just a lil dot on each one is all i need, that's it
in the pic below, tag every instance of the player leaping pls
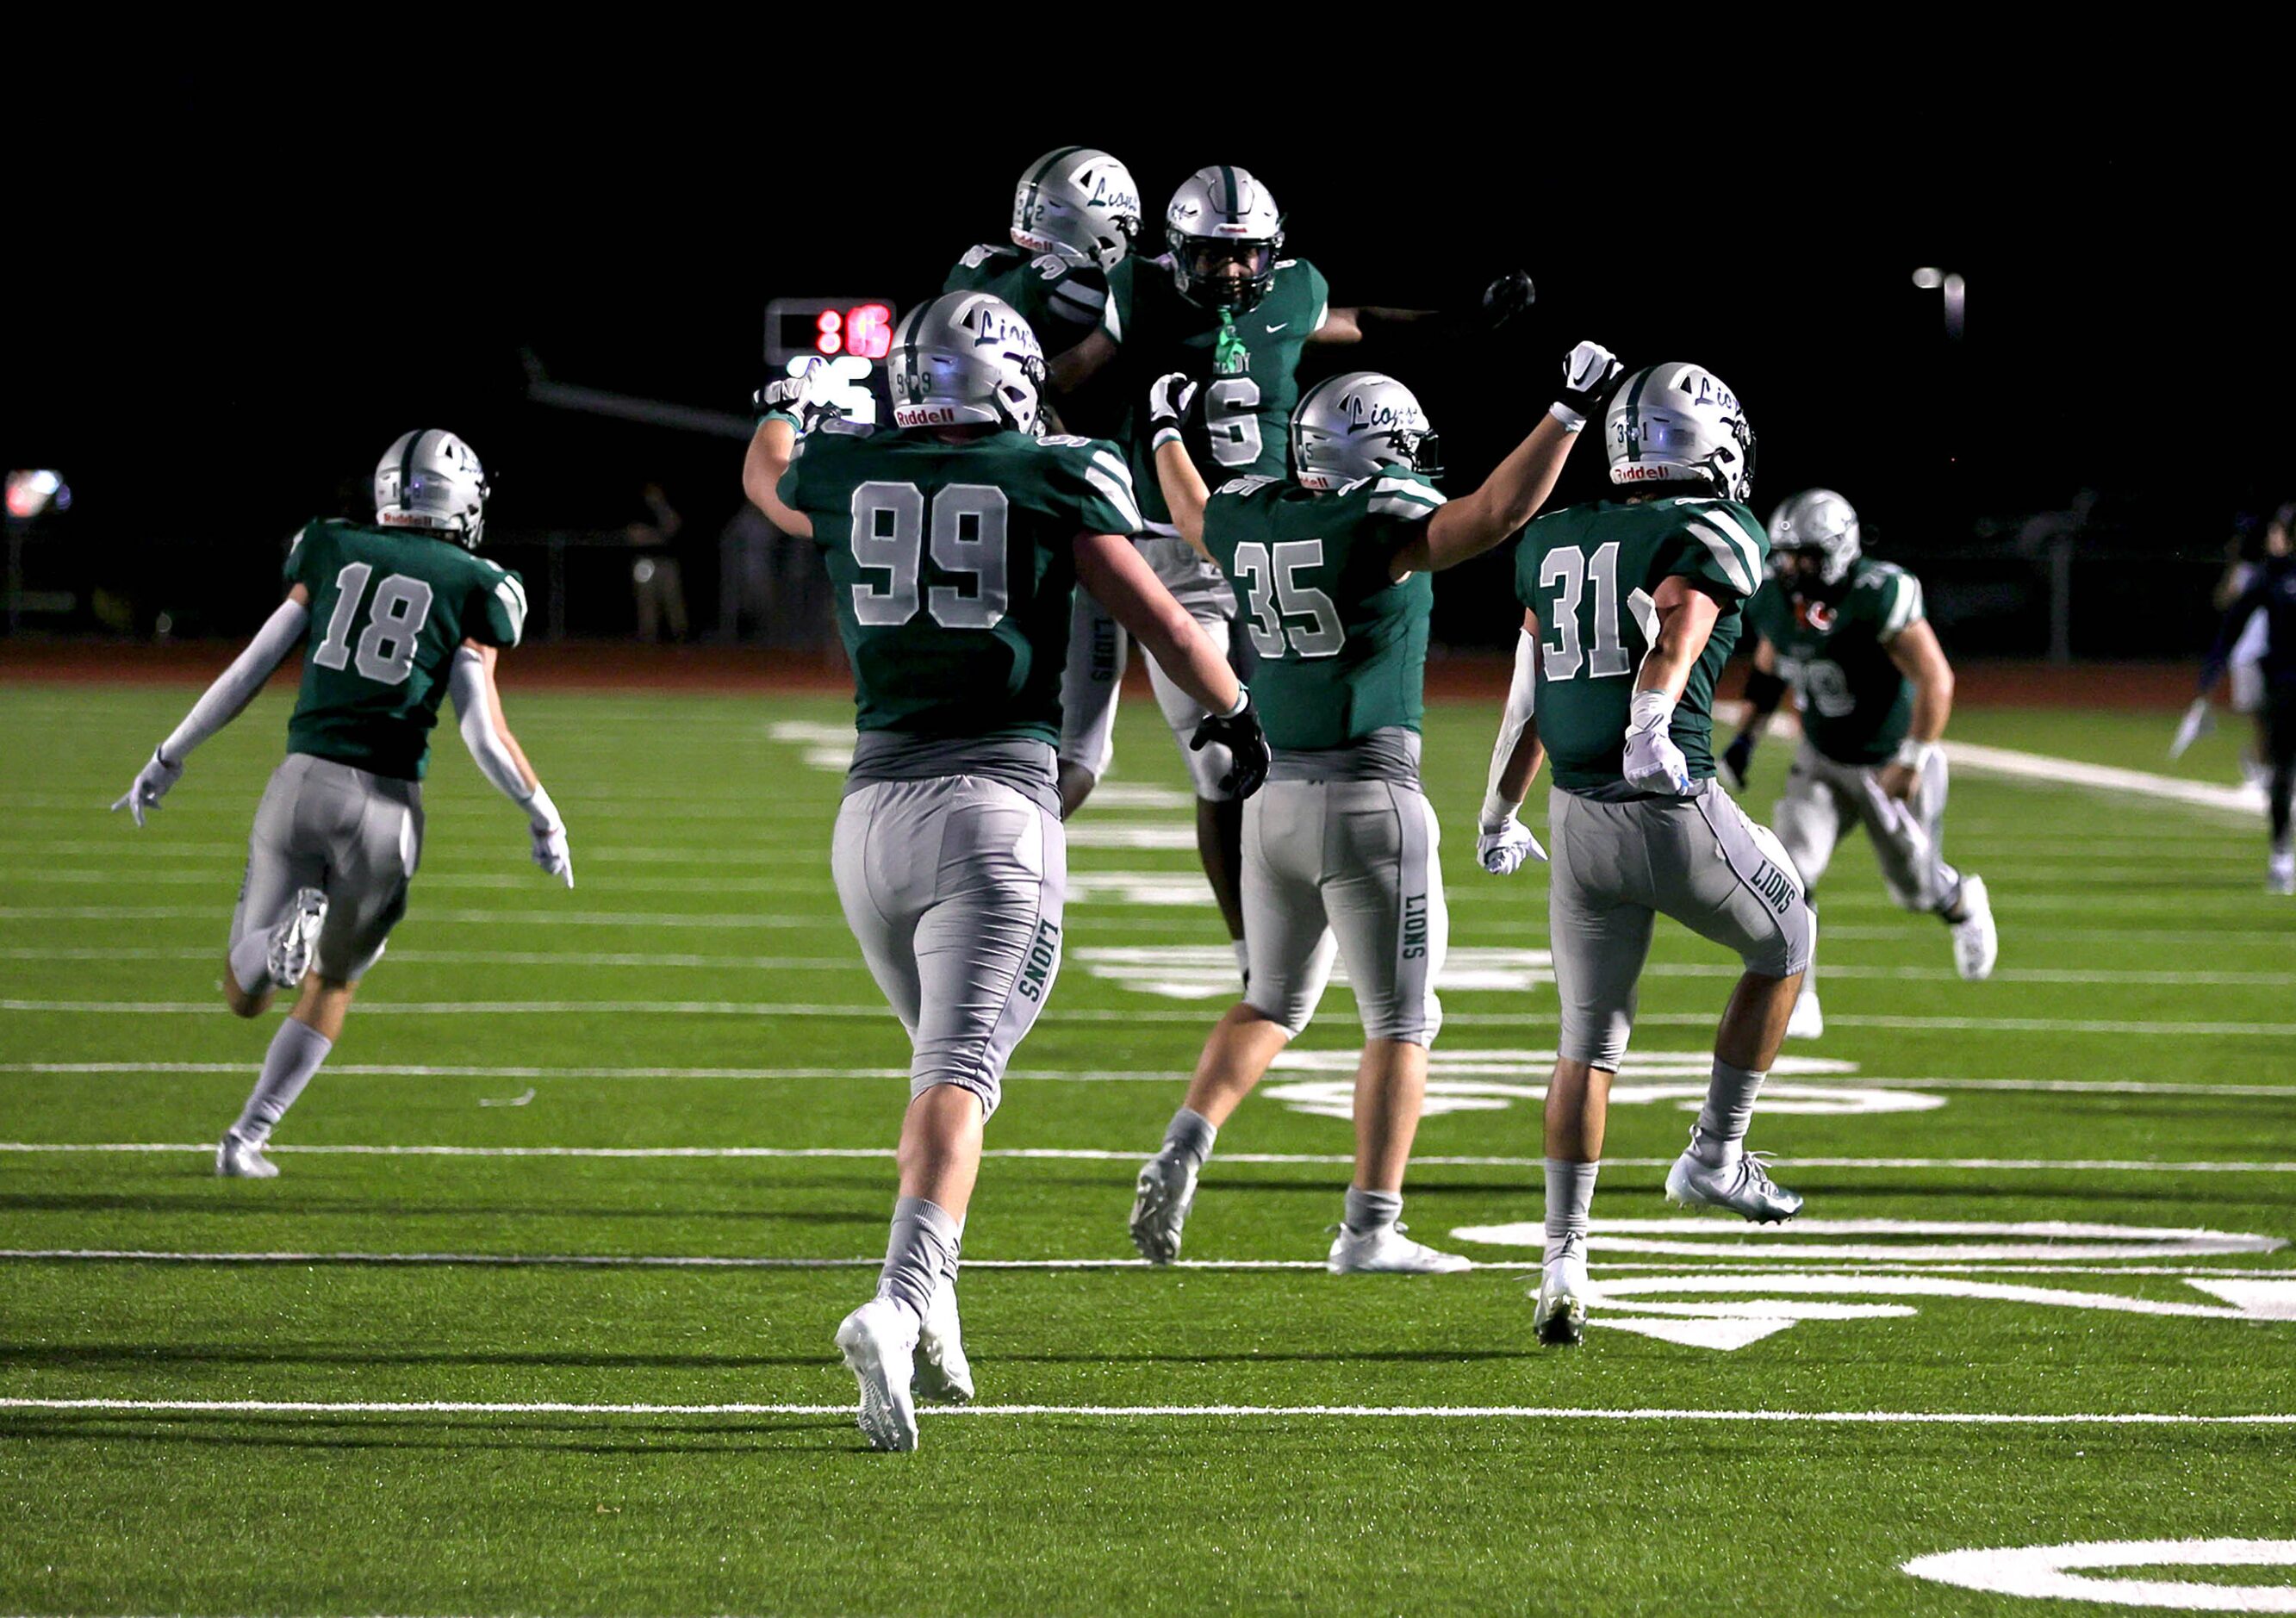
(1331, 572)
(392, 616)
(1633, 606)
(1224, 308)
(954, 545)
(1849, 634)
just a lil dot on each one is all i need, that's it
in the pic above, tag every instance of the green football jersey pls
(1063, 302)
(1856, 706)
(1589, 572)
(1248, 364)
(1342, 647)
(952, 569)
(389, 609)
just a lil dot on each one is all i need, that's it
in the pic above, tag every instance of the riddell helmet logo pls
(924, 415)
(1641, 474)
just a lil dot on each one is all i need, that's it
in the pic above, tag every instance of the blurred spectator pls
(654, 577)
(745, 593)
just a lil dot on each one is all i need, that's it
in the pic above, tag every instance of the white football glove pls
(1589, 372)
(1168, 398)
(810, 398)
(1503, 848)
(2198, 722)
(548, 829)
(151, 785)
(1653, 762)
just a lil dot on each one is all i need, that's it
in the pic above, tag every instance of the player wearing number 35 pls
(955, 546)
(1330, 572)
(392, 615)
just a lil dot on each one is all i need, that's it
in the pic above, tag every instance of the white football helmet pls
(966, 358)
(429, 478)
(1079, 204)
(1678, 421)
(1820, 521)
(1221, 216)
(1349, 426)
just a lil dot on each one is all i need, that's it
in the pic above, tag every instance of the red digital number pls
(869, 331)
(827, 326)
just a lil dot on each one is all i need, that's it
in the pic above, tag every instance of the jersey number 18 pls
(385, 652)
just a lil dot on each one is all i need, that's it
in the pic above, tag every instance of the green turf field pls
(536, 1318)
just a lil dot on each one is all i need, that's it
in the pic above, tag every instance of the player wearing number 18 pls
(1331, 575)
(954, 545)
(1632, 607)
(392, 615)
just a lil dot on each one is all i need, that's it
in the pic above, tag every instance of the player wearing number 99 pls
(1227, 309)
(954, 545)
(392, 616)
(1633, 606)
(1331, 574)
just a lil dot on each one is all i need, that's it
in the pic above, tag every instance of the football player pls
(1227, 309)
(1849, 635)
(392, 616)
(1330, 569)
(2270, 594)
(954, 544)
(1632, 607)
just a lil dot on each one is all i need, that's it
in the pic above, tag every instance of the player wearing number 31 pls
(1330, 574)
(954, 545)
(1632, 608)
(392, 615)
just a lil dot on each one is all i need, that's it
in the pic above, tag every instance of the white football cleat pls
(944, 1375)
(1561, 1319)
(1161, 1198)
(1743, 1186)
(1807, 1023)
(1975, 943)
(1386, 1251)
(293, 939)
(2279, 872)
(878, 1340)
(241, 1159)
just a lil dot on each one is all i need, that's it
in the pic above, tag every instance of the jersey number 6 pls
(968, 537)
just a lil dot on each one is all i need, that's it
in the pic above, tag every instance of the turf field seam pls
(447, 1407)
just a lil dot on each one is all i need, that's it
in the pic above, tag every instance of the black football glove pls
(1736, 759)
(1246, 743)
(1506, 298)
(1591, 373)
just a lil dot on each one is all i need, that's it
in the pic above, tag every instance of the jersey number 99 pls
(967, 537)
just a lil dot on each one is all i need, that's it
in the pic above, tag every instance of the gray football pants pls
(1618, 867)
(1824, 799)
(1098, 648)
(953, 887)
(354, 837)
(1350, 867)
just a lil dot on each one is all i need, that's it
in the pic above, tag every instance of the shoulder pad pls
(978, 254)
(1252, 484)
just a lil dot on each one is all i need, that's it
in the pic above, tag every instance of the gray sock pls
(1192, 1134)
(250, 963)
(1369, 1210)
(1728, 1113)
(295, 1051)
(921, 1251)
(1569, 1194)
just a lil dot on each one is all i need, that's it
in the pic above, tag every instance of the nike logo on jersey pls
(1276, 327)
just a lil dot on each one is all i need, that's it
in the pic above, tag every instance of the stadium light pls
(1957, 295)
(30, 493)
(1928, 280)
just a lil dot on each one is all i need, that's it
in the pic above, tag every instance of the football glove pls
(1503, 848)
(1653, 762)
(1736, 759)
(807, 400)
(547, 828)
(1506, 298)
(1590, 372)
(1246, 743)
(2197, 722)
(1169, 398)
(151, 785)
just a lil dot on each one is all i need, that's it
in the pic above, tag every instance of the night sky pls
(228, 304)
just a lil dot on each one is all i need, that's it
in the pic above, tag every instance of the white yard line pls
(443, 1407)
(2015, 766)
(1470, 1019)
(216, 916)
(2137, 1165)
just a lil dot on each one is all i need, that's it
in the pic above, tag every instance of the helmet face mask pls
(1351, 426)
(430, 479)
(1226, 234)
(1079, 204)
(966, 359)
(1679, 422)
(1813, 542)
